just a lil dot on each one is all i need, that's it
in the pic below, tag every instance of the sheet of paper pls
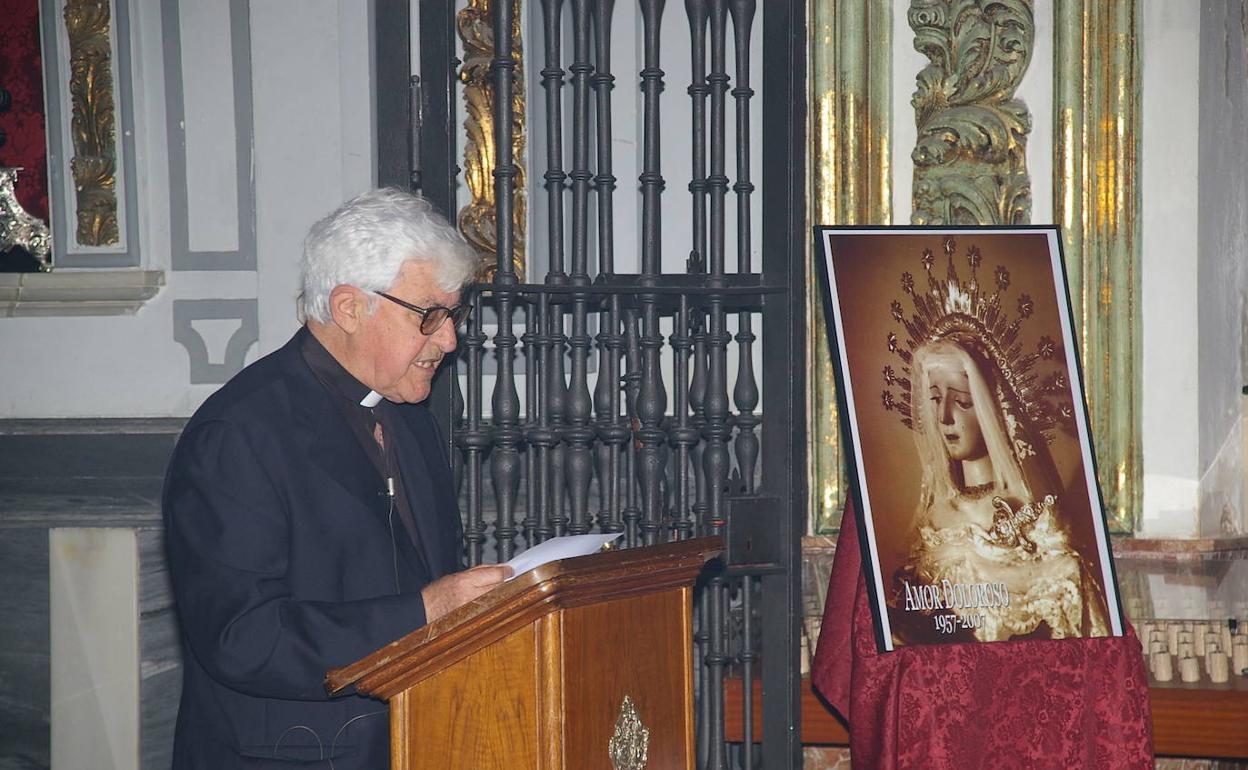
(559, 548)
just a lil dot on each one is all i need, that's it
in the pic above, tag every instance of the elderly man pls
(309, 507)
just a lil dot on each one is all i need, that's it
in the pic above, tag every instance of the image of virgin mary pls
(991, 550)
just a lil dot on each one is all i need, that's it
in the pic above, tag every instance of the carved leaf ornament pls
(970, 164)
(93, 125)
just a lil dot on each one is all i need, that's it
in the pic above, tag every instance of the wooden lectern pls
(581, 663)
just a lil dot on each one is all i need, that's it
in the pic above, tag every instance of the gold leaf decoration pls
(850, 114)
(478, 220)
(1096, 200)
(94, 164)
(970, 162)
(629, 746)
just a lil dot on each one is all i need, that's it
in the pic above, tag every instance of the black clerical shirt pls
(349, 393)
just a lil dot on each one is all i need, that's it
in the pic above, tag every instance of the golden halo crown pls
(967, 312)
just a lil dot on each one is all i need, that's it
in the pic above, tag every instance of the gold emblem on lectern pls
(631, 741)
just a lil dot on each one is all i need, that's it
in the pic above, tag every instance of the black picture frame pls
(854, 275)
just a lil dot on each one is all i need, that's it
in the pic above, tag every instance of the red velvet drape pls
(21, 68)
(1080, 703)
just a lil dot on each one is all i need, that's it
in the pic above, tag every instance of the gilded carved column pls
(970, 168)
(94, 163)
(970, 163)
(477, 219)
(851, 183)
(1096, 200)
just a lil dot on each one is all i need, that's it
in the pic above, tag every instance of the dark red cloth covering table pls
(1075, 703)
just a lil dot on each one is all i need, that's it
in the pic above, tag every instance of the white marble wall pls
(94, 577)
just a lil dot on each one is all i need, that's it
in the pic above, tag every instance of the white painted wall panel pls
(1168, 277)
(305, 103)
(208, 101)
(1036, 91)
(907, 63)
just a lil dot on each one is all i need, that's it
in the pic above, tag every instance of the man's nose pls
(446, 337)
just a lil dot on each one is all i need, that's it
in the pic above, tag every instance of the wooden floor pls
(1188, 721)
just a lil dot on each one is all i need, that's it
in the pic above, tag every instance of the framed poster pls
(973, 471)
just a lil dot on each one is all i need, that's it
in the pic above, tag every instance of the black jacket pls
(282, 551)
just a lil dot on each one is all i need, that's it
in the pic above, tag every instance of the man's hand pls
(450, 591)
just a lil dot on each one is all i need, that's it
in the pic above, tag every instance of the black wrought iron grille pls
(611, 407)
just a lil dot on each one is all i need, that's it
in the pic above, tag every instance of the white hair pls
(365, 242)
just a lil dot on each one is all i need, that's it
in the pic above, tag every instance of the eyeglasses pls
(432, 318)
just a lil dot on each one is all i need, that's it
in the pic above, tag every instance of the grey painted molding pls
(61, 198)
(91, 426)
(83, 293)
(203, 370)
(244, 258)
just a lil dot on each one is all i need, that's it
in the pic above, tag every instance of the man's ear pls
(348, 306)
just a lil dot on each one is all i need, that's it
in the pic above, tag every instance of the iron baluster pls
(632, 387)
(606, 390)
(604, 182)
(697, 421)
(716, 180)
(458, 422)
(532, 480)
(579, 433)
(543, 438)
(581, 70)
(555, 391)
(651, 404)
(718, 429)
(747, 671)
(695, 11)
(701, 647)
(745, 392)
(552, 82)
(505, 461)
(557, 400)
(620, 432)
(474, 439)
(555, 388)
(683, 435)
(505, 170)
(603, 471)
(612, 432)
(698, 90)
(652, 398)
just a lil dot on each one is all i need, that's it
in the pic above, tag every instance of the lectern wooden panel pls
(658, 677)
(469, 714)
(558, 669)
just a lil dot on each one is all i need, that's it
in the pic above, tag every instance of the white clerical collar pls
(371, 400)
